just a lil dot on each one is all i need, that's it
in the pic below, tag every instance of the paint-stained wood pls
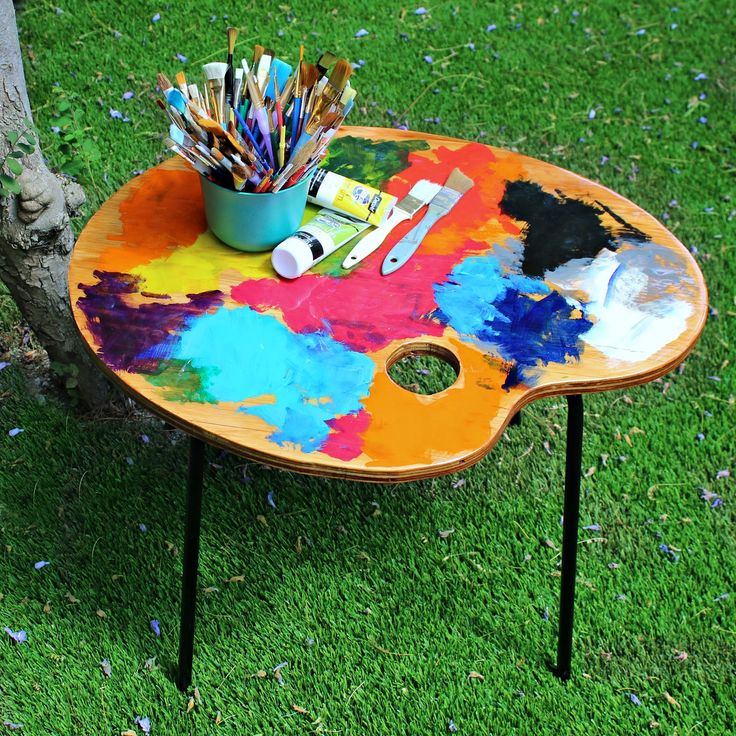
(538, 283)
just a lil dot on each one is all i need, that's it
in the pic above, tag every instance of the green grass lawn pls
(381, 619)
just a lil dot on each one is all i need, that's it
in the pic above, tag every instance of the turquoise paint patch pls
(309, 379)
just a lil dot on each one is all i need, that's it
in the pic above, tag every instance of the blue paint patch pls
(306, 379)
(483, 303)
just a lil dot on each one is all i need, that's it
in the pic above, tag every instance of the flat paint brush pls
(215, 72)
(181, 80)
(279, 70)
(420, 194)
(264, 67)
(455, 186)
(325, 62)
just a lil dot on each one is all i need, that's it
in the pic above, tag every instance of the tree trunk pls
(36, 239)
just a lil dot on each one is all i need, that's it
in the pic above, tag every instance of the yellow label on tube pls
(339, 193)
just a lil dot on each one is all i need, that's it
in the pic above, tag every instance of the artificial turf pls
(389, 626)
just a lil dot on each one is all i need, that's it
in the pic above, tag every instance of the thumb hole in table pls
(423, 368)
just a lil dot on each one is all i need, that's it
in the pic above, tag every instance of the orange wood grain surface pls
(538, 283)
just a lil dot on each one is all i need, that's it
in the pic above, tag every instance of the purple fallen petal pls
(591, 115)
(155, 627)
(4, 364)
(143, 528)
(115, 114)
(144, 723)
(634, 699)
(12, 726)
(700, 77)
(19, 637)
(420, 11)
(428, 59)
(15, 431)
(128, 95)
(41, 563)
(723, 474)
(156, 18)
(491, 27)
(362, 32)
(716, 503)
(269, 499)
(721, 597)
(183, 59)
(592, 528)
(145, 439)
(106, 668)
(451, 727)
(459, 483)
(641, 32)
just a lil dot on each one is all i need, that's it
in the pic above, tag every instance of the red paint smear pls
(366, 311)
(345, 442)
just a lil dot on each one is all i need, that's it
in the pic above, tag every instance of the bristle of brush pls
(232, 35)
(181, 79)
(458, 181)
(326, 61)
(215, 70)
(269, 52)
(340, 74)
(163, 81)
(310, 75)
(257, 53)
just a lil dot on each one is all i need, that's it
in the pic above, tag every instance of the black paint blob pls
(559, 228)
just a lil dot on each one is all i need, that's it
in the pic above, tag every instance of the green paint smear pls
(370, 162)
(182, 382)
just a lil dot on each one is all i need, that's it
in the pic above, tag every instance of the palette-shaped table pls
(538, 283)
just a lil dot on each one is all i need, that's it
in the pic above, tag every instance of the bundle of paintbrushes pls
(261, 126)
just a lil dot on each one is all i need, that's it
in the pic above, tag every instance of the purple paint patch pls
(124, 333)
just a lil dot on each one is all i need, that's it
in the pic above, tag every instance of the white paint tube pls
(313, 242)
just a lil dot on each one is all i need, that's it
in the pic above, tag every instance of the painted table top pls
(539, 282)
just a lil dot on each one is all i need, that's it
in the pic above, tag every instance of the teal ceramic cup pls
(254, 222)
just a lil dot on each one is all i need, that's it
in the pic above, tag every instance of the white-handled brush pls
(448, 196)
(421, 193)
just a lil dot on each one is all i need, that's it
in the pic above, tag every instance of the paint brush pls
(181, 80)
(296, 111)
(455, 186)
(325, 62)
(420, 194)
(260, 115)
(215, 73)
(232, 35)
(264, 67)
(310, 76)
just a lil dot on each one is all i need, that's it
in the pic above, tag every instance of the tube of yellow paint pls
(350, 197)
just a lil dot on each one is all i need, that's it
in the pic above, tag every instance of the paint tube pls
(313, 242)
(350, 197)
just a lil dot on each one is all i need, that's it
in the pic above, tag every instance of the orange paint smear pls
(162, 196)
(413, 429)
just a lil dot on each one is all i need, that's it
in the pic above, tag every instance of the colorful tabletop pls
(539, 282)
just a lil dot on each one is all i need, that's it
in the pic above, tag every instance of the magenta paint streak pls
(344, 441)
(364, 312)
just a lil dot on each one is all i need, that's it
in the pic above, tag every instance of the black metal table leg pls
(191, 561)
(571, 515)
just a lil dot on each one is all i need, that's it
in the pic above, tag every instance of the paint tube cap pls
(292, 257)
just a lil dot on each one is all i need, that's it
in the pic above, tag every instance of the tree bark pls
(36, 239)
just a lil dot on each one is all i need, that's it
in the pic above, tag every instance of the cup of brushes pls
(255, 133)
